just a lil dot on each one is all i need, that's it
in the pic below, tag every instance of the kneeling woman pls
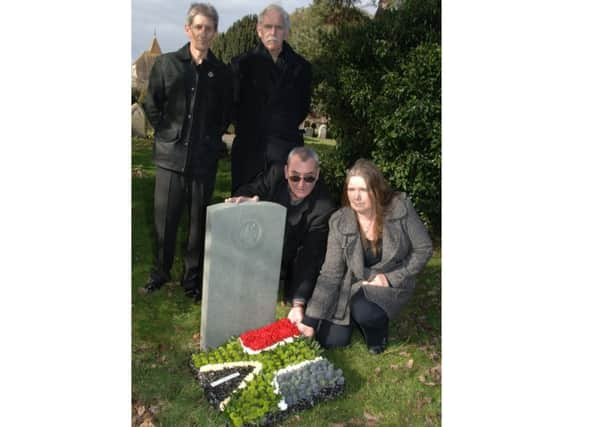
(377, 245)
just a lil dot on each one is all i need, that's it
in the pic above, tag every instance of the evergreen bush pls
(239, 38)
(382, 93)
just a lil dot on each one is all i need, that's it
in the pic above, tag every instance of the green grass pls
(166, 324)
(317, 141)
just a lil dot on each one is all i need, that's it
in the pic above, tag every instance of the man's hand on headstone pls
(241, 199)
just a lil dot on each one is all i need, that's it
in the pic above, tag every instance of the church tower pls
(142, 66)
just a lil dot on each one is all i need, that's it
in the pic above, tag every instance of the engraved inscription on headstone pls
(243, 251)
(249, 235)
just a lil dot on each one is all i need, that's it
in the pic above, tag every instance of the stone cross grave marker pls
(243, 251)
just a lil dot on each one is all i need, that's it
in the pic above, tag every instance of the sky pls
(167, 18)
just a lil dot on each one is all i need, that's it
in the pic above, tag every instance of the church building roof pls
(145, 61)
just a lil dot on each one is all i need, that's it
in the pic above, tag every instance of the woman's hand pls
(296, 315)
(379, 280)
(308, 331)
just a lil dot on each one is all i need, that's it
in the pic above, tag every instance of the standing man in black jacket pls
(272, 86)
(297, 187)
(189, 104)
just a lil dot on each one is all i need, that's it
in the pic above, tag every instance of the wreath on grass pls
(266, 374)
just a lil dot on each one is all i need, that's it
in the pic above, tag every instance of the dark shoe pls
(379, 348)
(192, 287)
(153, 285)
(376, 345)
(376, 349)
(195, 294)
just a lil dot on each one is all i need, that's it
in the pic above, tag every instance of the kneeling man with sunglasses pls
(308, 205)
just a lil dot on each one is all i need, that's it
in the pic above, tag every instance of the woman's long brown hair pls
(378, 189)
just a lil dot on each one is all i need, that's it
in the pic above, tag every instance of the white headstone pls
(322, 132)
(241, 271)
(138, 121)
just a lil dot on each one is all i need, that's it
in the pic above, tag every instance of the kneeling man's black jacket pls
(306, 231)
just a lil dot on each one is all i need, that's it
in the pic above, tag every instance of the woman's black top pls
(371, 258)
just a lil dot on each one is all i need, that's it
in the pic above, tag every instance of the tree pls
(239, 38)
(310, 26)
(382, 91)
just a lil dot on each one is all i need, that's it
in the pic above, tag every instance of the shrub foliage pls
(239, 38)
(382, 92)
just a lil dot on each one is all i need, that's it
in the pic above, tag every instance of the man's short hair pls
(304, 154)
(280, 10)
(204, 9)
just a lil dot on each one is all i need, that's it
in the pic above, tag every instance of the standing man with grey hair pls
(189, 104)
(272, 86)
(296, 186)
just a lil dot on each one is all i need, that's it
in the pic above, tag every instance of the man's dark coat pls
(306, 227)
(269, 106)
(169, 99)
(189, 106)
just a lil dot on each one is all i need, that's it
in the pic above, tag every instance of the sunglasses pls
(296, 178)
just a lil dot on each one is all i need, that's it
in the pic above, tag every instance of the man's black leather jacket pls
(168, 107)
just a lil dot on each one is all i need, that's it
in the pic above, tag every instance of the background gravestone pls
(322, 132)
(241, 270)
(138, 121)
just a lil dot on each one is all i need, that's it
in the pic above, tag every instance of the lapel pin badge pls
(210, 74)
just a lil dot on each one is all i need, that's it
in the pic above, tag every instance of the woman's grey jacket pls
(406, 248)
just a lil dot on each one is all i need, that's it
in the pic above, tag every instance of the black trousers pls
(246, 163)
(290, 269)
(369, 317)
(173, 192)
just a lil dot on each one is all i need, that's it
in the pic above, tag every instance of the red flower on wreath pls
(266, 336)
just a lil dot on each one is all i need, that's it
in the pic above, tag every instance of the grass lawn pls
(317, 141)
(400, 387)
